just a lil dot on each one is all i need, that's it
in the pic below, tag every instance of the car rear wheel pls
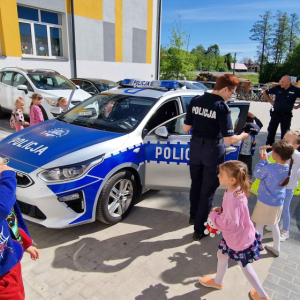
(116, 198)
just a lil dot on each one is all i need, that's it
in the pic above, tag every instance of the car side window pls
(7, 78)
(19, 79)
(175, 127)
(166, 112)
(186, 100)
(87, 86)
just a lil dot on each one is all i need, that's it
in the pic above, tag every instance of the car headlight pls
(69, 172)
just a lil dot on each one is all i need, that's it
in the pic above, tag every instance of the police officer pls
(285, 97)
(209, 118)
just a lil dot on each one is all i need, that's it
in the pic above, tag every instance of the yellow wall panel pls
(9, 29)
(149, 31)
(119, 30)
(92, 9)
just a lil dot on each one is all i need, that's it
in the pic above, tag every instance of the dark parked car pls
(94, 86)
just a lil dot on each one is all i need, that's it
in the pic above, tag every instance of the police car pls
(93, 161)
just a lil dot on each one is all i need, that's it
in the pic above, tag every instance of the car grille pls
(23, 180)
(31, 210)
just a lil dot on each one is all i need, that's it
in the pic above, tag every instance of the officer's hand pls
(217, 209)
(244, 135)
(251, 115)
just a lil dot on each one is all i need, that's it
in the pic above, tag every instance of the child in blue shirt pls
(272, 190)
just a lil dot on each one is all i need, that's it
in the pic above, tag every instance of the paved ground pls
(150, 255)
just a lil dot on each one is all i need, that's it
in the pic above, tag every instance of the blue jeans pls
(286, 209)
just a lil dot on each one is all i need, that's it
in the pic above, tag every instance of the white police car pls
(94, 161)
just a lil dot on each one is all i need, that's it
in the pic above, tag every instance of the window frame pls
(48, 26)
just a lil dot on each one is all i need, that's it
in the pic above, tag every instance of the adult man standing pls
(207, 149)
(285, 97)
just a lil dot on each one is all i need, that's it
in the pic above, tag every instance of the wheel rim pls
(120, 198)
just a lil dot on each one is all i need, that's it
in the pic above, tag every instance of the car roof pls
(153, 92)
(94, 79)
(30, 71)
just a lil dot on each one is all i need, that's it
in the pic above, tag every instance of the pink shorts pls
(18, 127)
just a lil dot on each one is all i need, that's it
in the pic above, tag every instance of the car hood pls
(79, 94)
(40, 144)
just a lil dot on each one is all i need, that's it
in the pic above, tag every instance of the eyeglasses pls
(232, 91)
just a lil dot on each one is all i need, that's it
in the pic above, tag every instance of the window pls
(88, 87)
(40, 31)
(7, 78)
(175, 126)
(19, 79)
(50, 81)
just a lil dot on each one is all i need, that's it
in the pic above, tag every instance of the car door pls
(6, 100)
(19, 79)
(167, 156)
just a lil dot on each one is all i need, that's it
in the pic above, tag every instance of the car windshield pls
(104, 86)
(114, 113)
(50, 81)
(200, 85)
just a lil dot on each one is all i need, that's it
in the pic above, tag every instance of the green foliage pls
(176, 63)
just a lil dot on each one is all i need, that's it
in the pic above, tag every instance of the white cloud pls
(245, 11)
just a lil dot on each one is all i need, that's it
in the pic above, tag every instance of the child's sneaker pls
(209, 282)
(284, 235)
(272, 249)
(254, 296)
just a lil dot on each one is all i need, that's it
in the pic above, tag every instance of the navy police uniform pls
(282, 113)
(210, 119)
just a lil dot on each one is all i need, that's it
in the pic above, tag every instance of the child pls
(35, 114)
(293, 138)
(62, 102)
(248, 145)
(17, 117)
(272, 190)
(241, 242)
(14, 238)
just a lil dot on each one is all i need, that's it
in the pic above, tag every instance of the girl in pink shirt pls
(241, 242)
(35, 113)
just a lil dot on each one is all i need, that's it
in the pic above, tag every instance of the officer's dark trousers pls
(204, 161)
(285, 123)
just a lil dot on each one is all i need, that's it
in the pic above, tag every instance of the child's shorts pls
(11, 284)
(264, 214)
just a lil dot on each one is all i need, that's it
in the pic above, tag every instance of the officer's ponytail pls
(239, 171)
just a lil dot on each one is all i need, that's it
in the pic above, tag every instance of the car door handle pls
(230, 149)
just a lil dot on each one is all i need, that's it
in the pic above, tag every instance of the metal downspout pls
(73, 39)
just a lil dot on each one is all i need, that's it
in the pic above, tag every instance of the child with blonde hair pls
(272, 190)
(36, 115)
(17, 117)
(241, 242)
(62, 102)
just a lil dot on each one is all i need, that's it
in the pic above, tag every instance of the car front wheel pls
(116, 198)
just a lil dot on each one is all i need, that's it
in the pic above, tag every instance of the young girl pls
(293, 138)
(62, 102)
(35, 114)
(241, 242)
(17, 117)
(272, 190)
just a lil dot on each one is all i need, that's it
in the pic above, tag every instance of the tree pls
(228, 60)
(214, 49)
(281, 37)
(261, 32)
(177, 62)
(292, 63)
(198, 48)
(294, 31)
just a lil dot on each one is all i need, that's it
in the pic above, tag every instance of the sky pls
(222, 22)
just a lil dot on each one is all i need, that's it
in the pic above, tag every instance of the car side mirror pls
(55, 111)
(23, 87)
(162, 132)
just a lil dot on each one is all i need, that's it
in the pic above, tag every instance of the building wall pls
(115, 39)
